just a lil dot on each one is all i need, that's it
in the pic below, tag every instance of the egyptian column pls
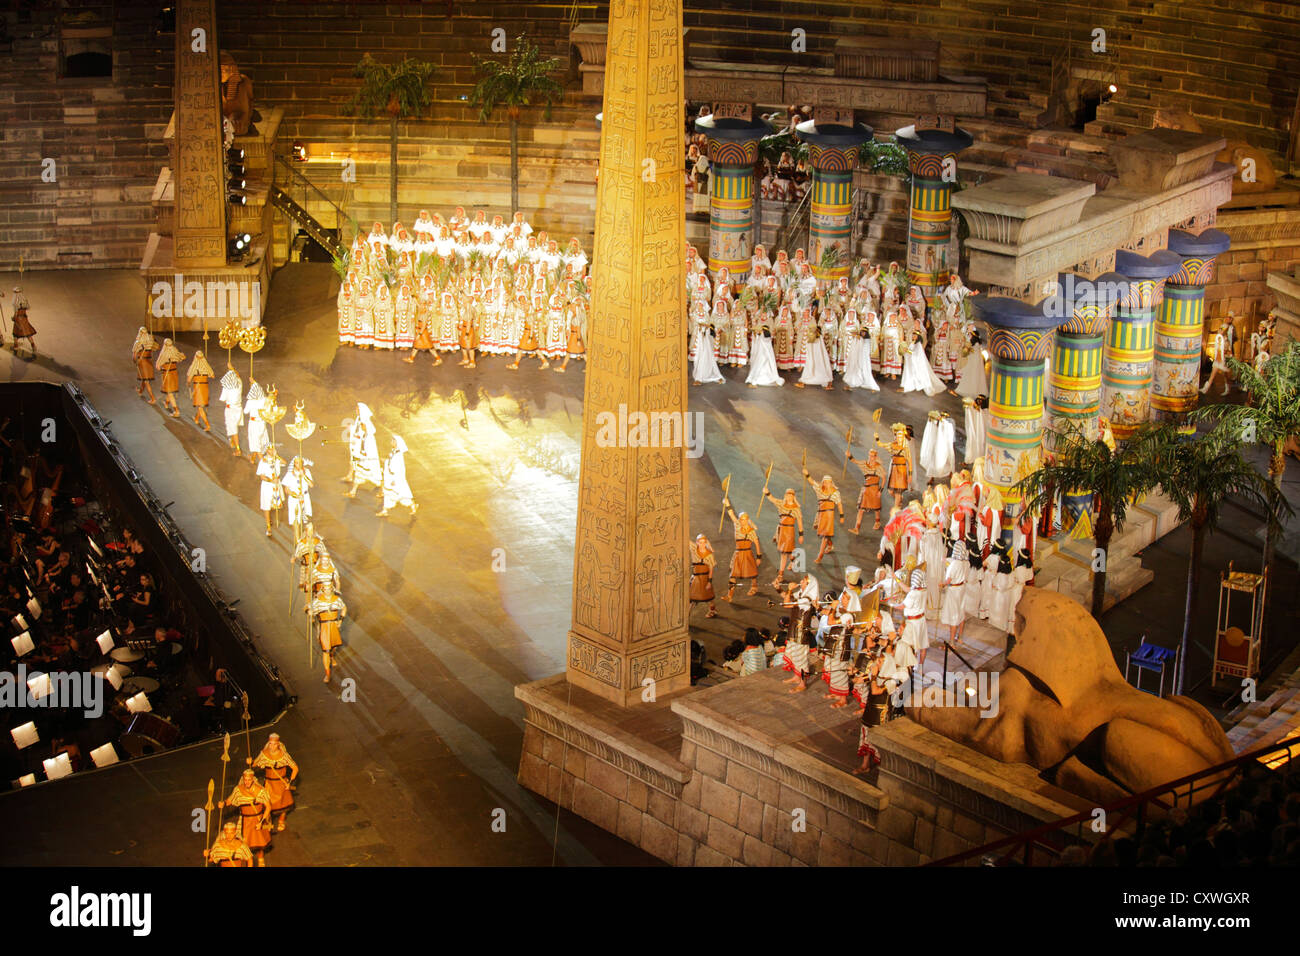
(932, 160)
(1131, 340)
(1074, 384)
(629, 640)
(733, 150)
(1179, 325)
(200, 183)
(832, 153)
(1020, 338)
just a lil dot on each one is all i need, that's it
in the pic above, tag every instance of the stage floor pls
(449, 610)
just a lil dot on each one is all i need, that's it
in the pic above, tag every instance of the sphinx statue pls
(1065, 709)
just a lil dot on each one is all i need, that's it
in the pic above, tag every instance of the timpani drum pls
(148, 734)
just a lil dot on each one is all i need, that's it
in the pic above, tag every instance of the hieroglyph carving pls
(200, 173)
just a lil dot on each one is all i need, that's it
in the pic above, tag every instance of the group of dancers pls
(466, 285)
(868, 324)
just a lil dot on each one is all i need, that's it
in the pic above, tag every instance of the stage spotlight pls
(235, 154)
(235, 169)
(299, 152)
(236, 182)
(238, 200)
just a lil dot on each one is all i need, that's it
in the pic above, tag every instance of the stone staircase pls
(1273, 717)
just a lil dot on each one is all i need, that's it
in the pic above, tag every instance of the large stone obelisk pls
(200, 184)
(629, 639)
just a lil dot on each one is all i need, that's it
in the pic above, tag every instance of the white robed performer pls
(952, 610)
(232, 394)
(918, 376)
(974, 379)
(364, 452)
(762, 360)
(272, 493)
(932, 556)
(258, 436)
(857, 362)
(297, 484)
(817, 363)
(396, 489)
(937, 453)
(705, 369)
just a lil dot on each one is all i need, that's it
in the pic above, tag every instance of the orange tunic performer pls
(789, 517)
(142, 355)
(169, 360)
(901, 466)
(254, 805)
(199, 375)
(873, 480)
(828, 500)
(702, 564)
(229, 849)
(744, 563)
(327, 609)
(280, 772)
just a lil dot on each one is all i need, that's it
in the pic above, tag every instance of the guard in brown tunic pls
(901, 466)
(702, 563)
(789, 518)
(254, 805)
(23, 328)
(828, 500)
(169, 360)
(873, 481)
(327, 609)
(280, 771)
(744, 563)
(229, 849)
(142, 355)
(199, 375)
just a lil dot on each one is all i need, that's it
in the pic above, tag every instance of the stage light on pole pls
(25, 735)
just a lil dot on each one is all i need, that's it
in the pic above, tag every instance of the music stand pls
(56, 767)
(25, 735)
(104, 756)
(39, 686)
(23, 644)
(105, 642)
(139, 704)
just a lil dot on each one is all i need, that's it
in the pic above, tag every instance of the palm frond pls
(387, 87)
(522, 79)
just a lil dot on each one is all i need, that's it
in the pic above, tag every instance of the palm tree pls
(1116, 474)
(398, 90)
(514, 83)
(1199, 475)
(1270, 416)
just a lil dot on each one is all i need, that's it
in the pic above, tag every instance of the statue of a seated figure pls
(236, 96)
(1065, 709)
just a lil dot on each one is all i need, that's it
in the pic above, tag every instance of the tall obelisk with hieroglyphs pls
(629, 638)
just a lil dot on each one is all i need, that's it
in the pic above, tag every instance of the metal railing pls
(1050, 839)
(308, 192)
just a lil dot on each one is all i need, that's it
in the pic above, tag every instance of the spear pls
(766, 478)
(248, 737)
(802, 468)
(207, 822)
(225, 762)
(848, 450)
(726, 486)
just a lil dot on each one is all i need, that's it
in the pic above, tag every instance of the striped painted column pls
(1020, 338)
(832, 153)
(932, 160)
(1130, 348)
(1179, 324)
(1074, 382)
(733, 151)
